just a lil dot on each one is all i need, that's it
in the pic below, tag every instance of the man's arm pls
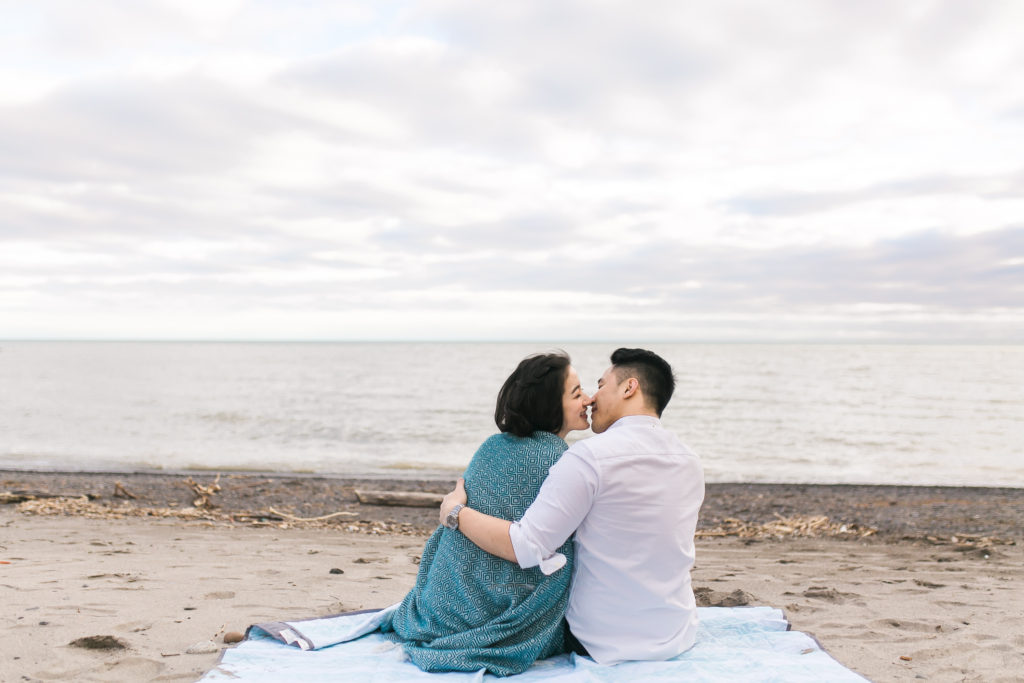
(563, 502)
(489, 533)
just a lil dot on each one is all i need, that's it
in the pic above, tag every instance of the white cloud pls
(449, 169)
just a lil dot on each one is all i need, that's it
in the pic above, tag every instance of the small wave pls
(224, 417)
(420, 466)
(206, 467)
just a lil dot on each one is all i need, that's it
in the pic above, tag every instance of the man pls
(631, 495)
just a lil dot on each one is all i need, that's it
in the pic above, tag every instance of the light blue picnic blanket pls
(733, 644)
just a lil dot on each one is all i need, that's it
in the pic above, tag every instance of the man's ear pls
(631, 386)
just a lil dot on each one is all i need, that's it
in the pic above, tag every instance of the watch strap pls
(452, 520)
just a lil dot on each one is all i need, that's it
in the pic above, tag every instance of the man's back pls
(631, 596)
(632, 494)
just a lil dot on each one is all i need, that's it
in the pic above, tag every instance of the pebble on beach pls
(233, 637)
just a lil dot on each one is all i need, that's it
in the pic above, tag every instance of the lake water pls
(887, 414)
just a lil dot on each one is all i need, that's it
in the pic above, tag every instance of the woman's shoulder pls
(547, 441)
(538, 441)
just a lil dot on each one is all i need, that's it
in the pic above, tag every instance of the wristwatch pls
(452, 520)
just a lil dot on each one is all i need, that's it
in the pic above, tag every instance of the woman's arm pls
(490, 534)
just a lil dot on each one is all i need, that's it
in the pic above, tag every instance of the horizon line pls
(538, 340)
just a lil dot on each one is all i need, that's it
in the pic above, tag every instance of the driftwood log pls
(12, 497)
(285, 515)
(412, 499)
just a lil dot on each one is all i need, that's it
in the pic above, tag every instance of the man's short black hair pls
(652, 371)
(531, 398)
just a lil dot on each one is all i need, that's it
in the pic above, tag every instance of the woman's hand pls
(454, 498)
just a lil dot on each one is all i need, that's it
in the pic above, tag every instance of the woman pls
(471, 610)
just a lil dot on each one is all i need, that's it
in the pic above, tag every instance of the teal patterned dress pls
(471, 610)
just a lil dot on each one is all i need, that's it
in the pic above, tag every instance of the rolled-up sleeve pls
(564, 500)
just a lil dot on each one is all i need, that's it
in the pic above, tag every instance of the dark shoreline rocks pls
(896, 511)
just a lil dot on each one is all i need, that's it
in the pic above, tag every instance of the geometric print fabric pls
(470, 610)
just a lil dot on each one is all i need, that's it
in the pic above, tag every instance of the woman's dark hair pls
(531, 398)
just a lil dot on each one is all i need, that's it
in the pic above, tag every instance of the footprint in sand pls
(794, 607)
(127, 576)
(133, 669)
(951, 603)
(710, 598)
(829, 594)
(134, 626)
(903, 625)
(85, 609)
(219, 595)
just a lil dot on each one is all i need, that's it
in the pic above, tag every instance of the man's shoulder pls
(601, 445)
(633, 437)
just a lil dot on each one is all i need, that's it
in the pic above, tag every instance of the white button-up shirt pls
(631, 494)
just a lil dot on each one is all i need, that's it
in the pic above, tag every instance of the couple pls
(593, 557)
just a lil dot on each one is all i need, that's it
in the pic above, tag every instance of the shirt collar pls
(636, 421)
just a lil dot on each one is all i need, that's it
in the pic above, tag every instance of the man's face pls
(606, 403)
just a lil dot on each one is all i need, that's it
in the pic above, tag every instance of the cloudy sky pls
(744, 171)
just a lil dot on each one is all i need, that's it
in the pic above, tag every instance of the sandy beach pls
(897, 583)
